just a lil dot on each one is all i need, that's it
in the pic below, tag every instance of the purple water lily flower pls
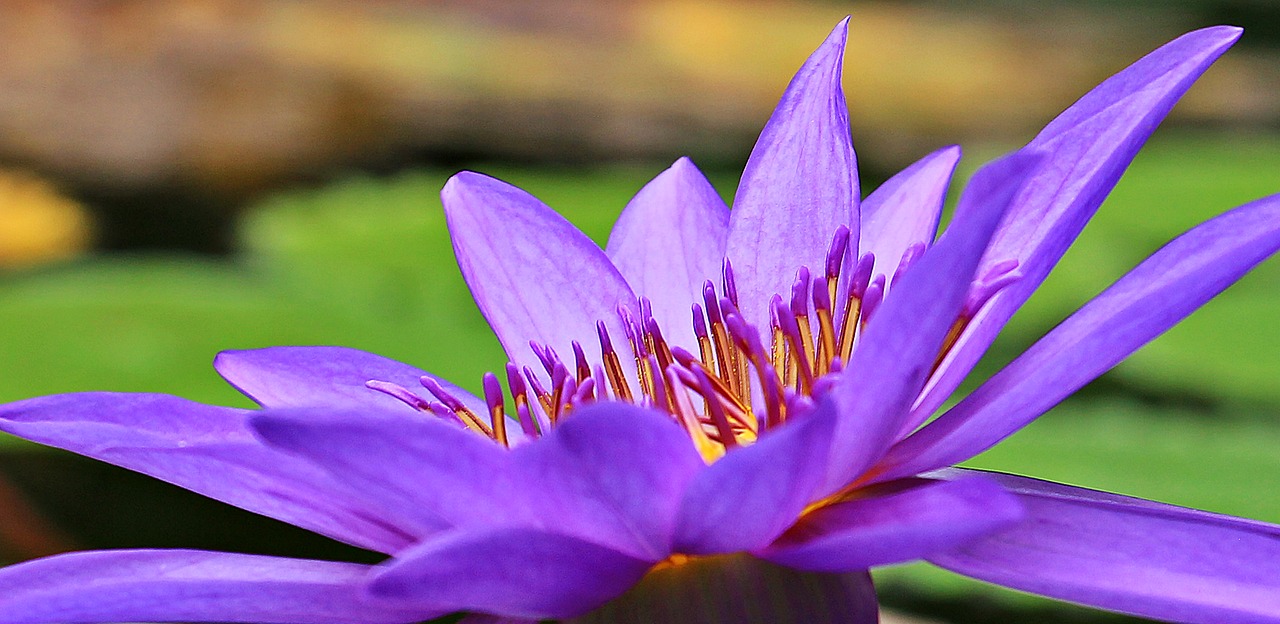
(722, 417)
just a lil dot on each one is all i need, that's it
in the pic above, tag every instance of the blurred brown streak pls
(234, 96)
(24, 533)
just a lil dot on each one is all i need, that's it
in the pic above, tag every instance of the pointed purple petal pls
(1128, 555)
(799, 186)
(911, 520)
(751, 495)
(735, 589)
(427, 474)
(904, 211)
(533, 274)
(509, 571)
(206, 449)
(613, 473)
(1090, 145)
(1161, 291)
(186, 585)
(894, 358)
(323, 377)
(668, 241)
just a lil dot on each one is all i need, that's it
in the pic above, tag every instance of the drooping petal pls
(533, 274)
(912, 520)
(1128, 555)
(508, 571)
(192, 586)
(324, 377)
(1165, 288)
(427, 474)
(1089, 147)
(752, 494)
(904, 210)
(800, 184)
(897, 352)
(612, 473)
(732, 589)
(206, 449)
(668, 241)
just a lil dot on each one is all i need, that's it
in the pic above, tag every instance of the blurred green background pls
(194, 176)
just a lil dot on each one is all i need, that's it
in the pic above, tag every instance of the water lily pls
(724, 416)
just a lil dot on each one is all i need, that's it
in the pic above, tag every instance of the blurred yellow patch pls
(37, 223)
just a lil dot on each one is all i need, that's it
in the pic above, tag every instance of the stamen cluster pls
(734, 387)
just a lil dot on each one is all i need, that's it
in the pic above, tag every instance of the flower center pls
(733, 387)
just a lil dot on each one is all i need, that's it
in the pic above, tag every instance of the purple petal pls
(1090, 145)
(799, 186)
(668, 241)
(913, 519)
(324, 377)
(428, 474)
(1128, 555)
(734, 589)
(1161, 291)
(896, 354)
(904, 211)
(509, 571)
(612, 473)
(186, 585)
(533, 274)
(206, 449)
(751, 495)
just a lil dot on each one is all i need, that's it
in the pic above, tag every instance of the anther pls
(730, 285)
(612, 365)
(909, 257)
(539, 392)
(493, 397)
(800, 309)
(791, 330)
(581, 368)
(398, 392)
(826, 330)
(469, 417)
(715, 410)
(527, 423)
(872, 298)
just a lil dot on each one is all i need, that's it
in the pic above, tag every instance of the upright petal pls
(668, 241)
(733, 589)
(208, 450)
(910, 520)
(1128, 555)
(904, 211)
(508, 571)
(533, 274)
(897, 352)
(799, 186)
(191, 586)
(1161, 291)
(324, 377)
(1089, 147)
